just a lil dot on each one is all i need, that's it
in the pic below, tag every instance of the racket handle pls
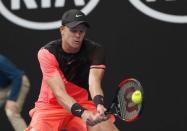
(108, 112)
(110, 109)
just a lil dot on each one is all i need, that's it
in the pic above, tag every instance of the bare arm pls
(57, 86)
(95, 78)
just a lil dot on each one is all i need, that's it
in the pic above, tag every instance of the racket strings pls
(122, 102)
(125, 108)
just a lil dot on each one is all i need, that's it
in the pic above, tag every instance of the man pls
(71, 66)
(14, 86)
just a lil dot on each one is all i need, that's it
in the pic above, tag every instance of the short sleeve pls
(48, 64)
(98, 58)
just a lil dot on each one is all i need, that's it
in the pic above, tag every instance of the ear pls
(61, 29)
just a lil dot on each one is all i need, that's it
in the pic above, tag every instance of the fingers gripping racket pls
(122, 105)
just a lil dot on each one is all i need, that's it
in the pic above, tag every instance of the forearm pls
(58, 88)
(95, 78)
(64, 99)
(95, 90)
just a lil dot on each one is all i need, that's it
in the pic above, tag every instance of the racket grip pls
(108, 112)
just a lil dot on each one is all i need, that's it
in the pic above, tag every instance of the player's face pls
(73, 37)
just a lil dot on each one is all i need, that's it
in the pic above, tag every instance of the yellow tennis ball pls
(136, 97)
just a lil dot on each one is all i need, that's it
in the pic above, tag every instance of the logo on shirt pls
(41, 14)
(173, 11)
(70, 62)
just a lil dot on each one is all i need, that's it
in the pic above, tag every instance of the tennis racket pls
(122, 105)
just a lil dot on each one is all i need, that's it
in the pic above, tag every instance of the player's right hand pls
(91, 118)
(101, 110)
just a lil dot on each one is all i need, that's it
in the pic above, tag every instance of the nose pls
(78, 33)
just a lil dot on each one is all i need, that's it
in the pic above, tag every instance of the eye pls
(73, 31)
(76, 30)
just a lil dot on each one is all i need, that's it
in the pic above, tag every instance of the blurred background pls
(144, 39)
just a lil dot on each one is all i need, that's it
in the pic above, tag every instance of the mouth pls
(76, 41)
